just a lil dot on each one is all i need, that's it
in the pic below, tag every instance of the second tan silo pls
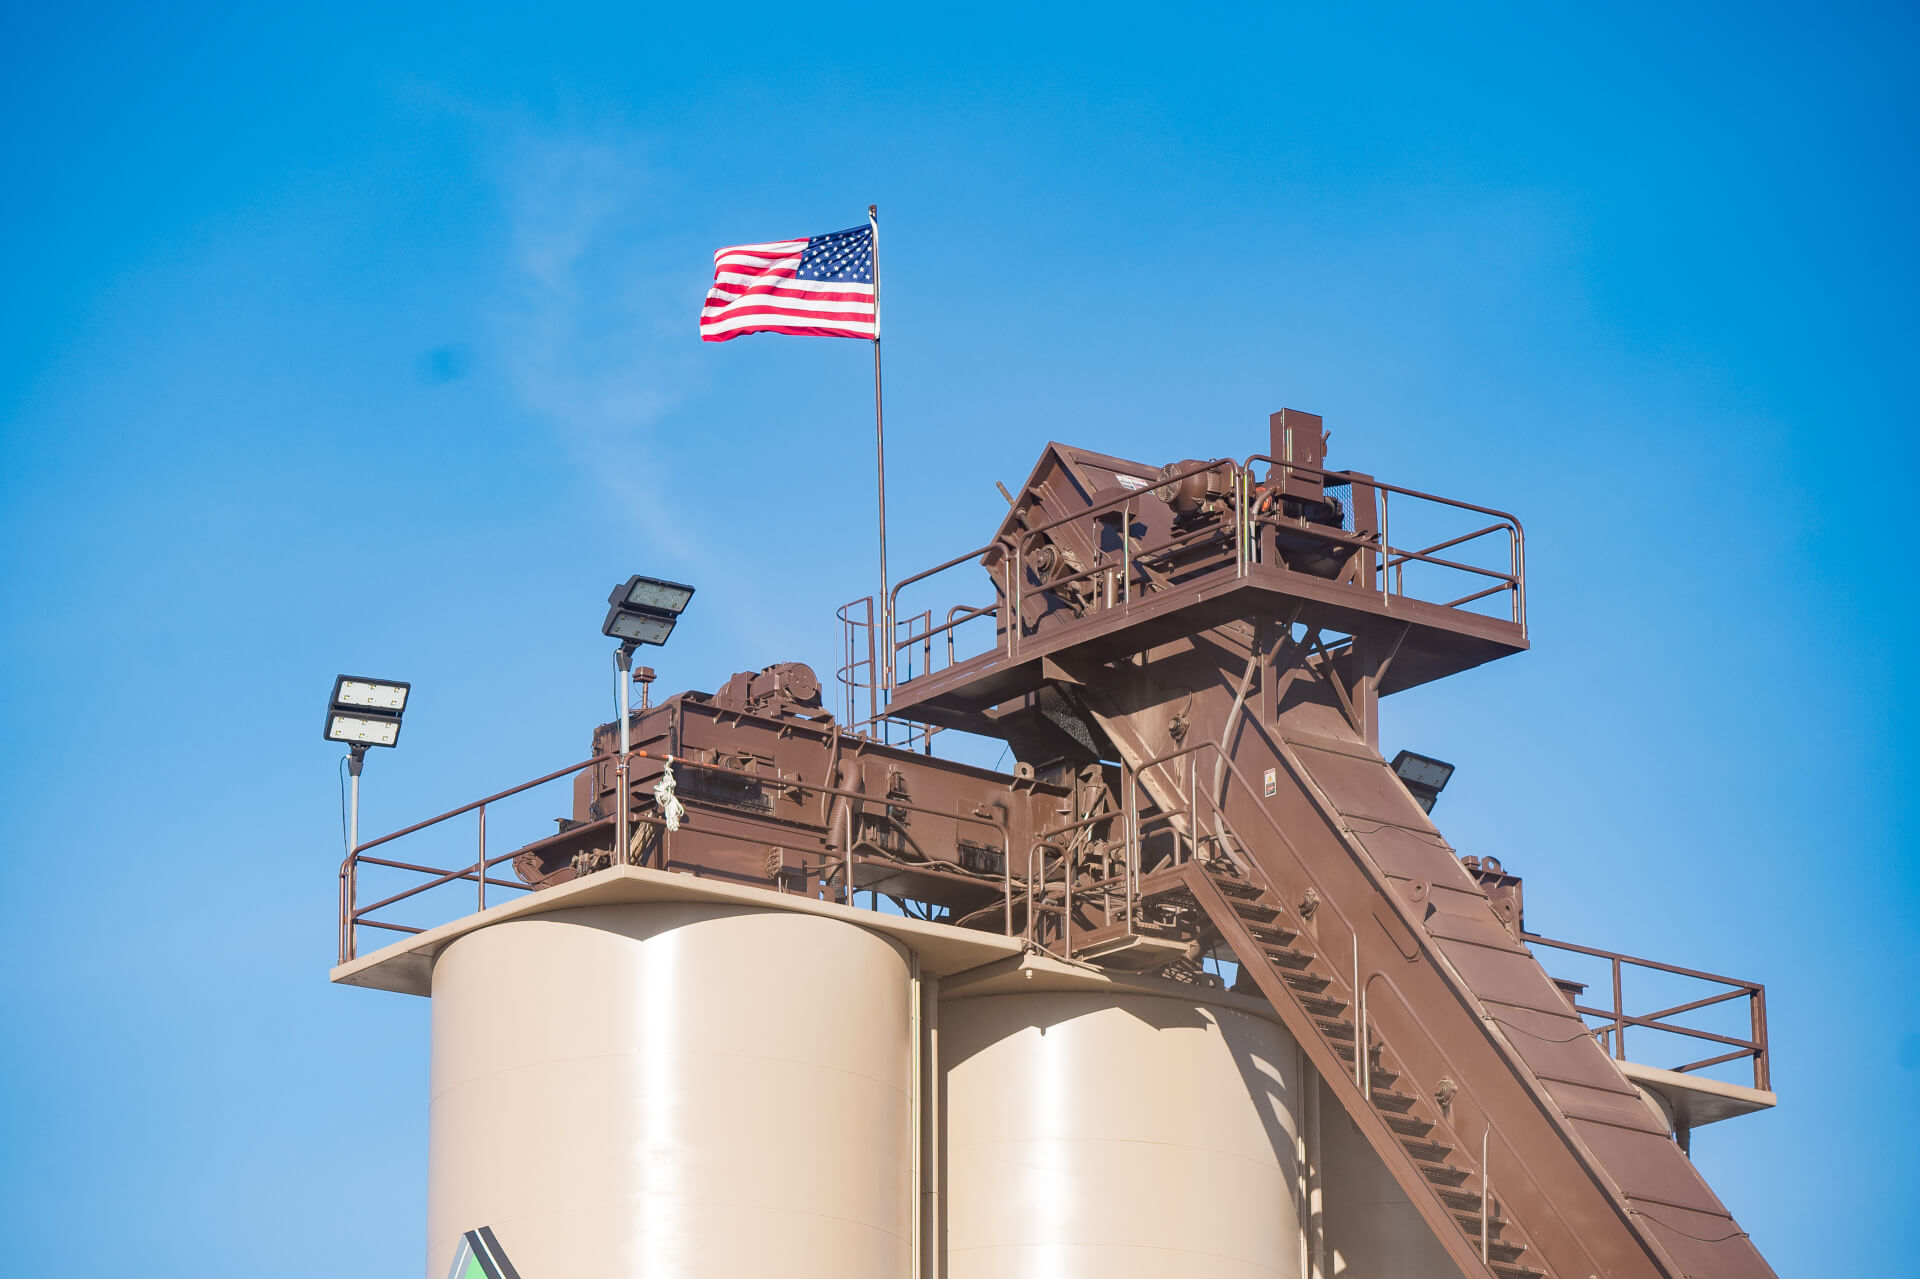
(1107, 1134)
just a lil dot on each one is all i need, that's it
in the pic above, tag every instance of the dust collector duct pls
(682, 1089)
(1103, 1135)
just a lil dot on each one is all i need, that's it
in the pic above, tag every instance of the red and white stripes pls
(755, 290)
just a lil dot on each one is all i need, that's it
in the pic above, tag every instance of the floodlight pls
(366, 712)
(644, 609)
(1423, 776)
(652, 592)
(374, 693)
(637, 628)
(357, 731)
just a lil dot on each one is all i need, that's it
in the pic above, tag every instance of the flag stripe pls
(792, 289)
(788, 304)
(781, 314)
(770, 247)
(818, 287)
(767, 325)
(782, 323)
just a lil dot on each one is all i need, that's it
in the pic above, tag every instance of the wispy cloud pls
(593, 320)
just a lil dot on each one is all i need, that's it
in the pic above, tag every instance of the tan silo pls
(1108, 1134)
(693, 1089)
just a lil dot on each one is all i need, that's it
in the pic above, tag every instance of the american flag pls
(819, 287)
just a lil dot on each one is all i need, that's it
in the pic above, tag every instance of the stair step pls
(1470, 1222)
(1255, 912)
(1239, 888)
(1465, 1204)
(1287, 957)
(1323, 1005)
(1310, 982)
(1506, 1250)
(1513, 1270)
(1272, 934)
(1379, 1079)
(1426, 1150)
(1442, 1174)
(1398, 1102)
(1339, 1030)
(1408, 1125)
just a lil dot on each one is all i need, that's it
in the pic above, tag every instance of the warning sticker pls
(1133, 482)
(1272, 783)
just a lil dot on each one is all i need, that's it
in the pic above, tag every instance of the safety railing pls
(1446, 553)
(859, 671)
(354, 916)
(1426, 530)
(1609, 1025)
(840, 867)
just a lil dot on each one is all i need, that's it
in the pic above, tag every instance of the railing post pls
(1133, 838)
(1360, 1034)
(353, 904)
(1387, 566)
(1486, 1196)
(1762, 1075)
(1619, 1017)
(480, 864)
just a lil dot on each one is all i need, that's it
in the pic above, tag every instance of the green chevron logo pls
(481, 1257)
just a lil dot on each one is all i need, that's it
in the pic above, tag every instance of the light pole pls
(361, 713)
(641, 610)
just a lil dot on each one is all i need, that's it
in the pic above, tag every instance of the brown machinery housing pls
(1185, 663)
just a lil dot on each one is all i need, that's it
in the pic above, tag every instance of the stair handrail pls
(1358, 986)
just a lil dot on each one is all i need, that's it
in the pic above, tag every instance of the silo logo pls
(481, 1257)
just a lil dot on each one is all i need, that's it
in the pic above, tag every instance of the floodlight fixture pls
(360, 731)
(363, 712)
(643, 610)
(376, 694)
(1423, 776)
(366, 712)
(651, 592)
(636, 628)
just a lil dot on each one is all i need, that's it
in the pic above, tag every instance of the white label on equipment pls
(1272, 783)
(1133, 482)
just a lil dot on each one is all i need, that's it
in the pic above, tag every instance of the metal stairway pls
(1410, 1125)
(1351, 915)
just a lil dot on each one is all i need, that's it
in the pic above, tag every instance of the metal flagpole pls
(885, 673)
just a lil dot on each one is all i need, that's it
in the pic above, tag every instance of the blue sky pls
(365, 341)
